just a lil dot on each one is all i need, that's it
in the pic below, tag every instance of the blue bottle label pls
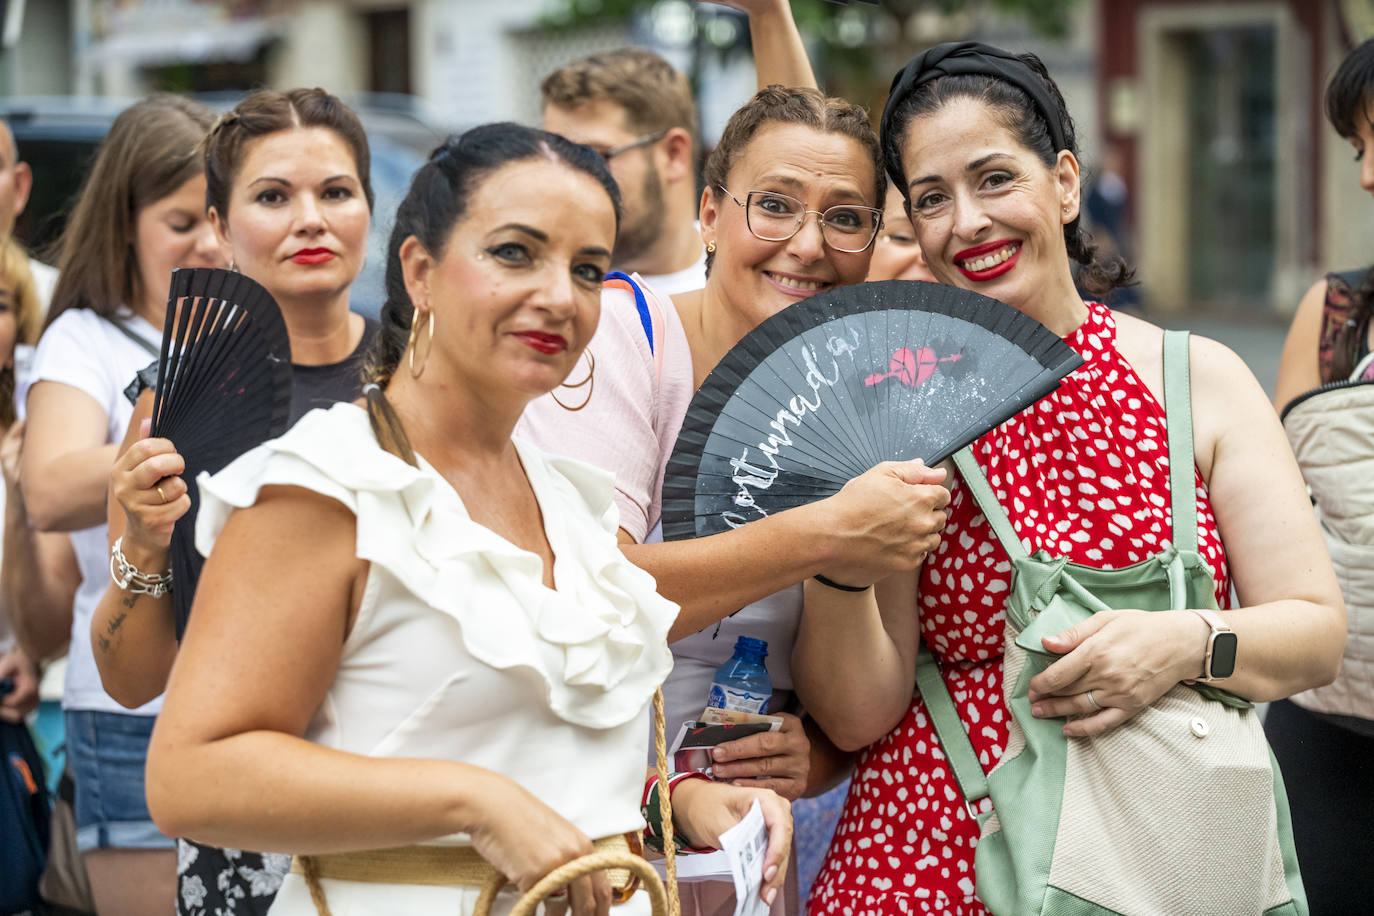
(740, 700)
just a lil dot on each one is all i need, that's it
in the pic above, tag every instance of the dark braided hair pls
(436, 203)
(1018, 113)
(1350, 100)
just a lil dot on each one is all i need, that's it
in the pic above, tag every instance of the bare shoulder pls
(1299, 366)
(688, 308)
(283, 513)
(1142, 343)
(306, 575)
(1231, 412)
(1210, 361)
(293, 538)
(1227, 400)
(272, 611)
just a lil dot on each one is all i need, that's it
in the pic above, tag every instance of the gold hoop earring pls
(414, 337)
(711, 247)
(589, 381)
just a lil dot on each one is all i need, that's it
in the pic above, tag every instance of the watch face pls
(1223, 655)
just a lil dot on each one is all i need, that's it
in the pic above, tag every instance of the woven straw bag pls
(663, 901)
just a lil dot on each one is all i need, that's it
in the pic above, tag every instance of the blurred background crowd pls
(1205, 150)
(1208, 162)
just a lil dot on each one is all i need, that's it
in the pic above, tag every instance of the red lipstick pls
(963, 259)
(544, 343)
(313, 256)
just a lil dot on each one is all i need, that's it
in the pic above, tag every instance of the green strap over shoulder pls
(982, 494)
(1178, 419)
(949, 728)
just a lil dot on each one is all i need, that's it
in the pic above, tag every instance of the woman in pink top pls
(623, 412)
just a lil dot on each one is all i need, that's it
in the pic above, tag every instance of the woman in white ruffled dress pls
(413, 631)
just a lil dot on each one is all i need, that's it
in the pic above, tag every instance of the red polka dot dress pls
(1084, 473)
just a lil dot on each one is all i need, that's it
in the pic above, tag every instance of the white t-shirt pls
(682, 281)
(44, 282)
(89, 353)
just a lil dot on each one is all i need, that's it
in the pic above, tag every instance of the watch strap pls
(1216, 625)
(1215, 621)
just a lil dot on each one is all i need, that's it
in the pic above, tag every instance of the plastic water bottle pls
(742, 683)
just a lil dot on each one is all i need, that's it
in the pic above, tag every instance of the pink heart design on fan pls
(911, 369)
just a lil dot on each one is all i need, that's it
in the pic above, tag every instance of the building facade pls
(1244, 194)
(1239, 194)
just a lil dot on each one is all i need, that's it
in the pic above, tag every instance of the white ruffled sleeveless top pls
(459, 651)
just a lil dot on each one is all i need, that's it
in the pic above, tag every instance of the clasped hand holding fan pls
(835, 384)
(223, 387)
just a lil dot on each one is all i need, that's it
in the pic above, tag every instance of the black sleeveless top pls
(217, 882)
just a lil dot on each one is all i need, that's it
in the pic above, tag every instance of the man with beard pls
(632, 107)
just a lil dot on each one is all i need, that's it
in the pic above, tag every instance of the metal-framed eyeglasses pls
(775, 217)
(636, 143)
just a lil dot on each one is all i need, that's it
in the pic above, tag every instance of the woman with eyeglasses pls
(790, 210)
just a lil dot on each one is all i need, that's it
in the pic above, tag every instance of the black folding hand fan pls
(827, 388)
(224, 386)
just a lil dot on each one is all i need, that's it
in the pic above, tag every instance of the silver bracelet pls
(130, 578)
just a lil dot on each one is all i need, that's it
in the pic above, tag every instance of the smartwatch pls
(1221, 647)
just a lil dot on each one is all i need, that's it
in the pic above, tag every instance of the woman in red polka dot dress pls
(980, 143)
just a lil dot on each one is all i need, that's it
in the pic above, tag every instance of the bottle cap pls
(752, 645)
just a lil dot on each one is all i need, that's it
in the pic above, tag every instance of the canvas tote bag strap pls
(963, 759)
(981, 491)
(954, 741)
(1178, 419)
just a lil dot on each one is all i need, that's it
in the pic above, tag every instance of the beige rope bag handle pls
(662, 901)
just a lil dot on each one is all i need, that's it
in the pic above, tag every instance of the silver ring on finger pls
(1093, 700)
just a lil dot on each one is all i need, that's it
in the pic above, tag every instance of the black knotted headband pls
(972, 58)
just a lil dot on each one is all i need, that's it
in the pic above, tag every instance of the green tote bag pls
(1181, 810)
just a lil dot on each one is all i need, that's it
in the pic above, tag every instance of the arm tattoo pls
(116, 622)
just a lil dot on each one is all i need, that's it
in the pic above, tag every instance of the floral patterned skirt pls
(218, 882)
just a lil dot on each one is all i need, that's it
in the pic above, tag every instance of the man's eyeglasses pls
(776, 217)
(636, 143)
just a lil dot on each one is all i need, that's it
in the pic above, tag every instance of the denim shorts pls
(107, 752)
